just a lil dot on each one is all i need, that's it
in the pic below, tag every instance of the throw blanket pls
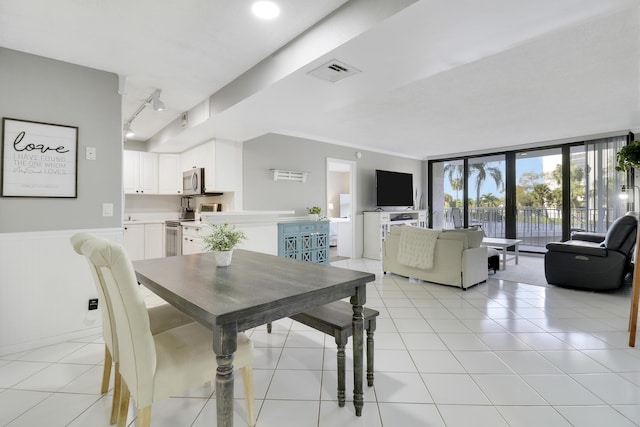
(417, 246)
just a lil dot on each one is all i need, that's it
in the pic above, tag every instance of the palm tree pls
(490, 199)
(454, 172)
(456, 184)
(481, 171)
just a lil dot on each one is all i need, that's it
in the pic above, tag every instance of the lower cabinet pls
(144, 241)
(134, 241)
(192, 239)
(304, 240)
(153, 241)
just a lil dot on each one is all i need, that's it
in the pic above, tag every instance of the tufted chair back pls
(136, 349)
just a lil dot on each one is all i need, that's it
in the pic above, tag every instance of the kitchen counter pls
(143, 221)
(242, 217)
(260, 227)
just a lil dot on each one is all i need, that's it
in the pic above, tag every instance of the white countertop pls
(247, 216)
(235, 217)
(143, 221)
(247, 213)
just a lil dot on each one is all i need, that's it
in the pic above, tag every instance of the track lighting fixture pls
(128, 132)
(154, 101)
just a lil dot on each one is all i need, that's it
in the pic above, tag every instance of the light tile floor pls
(499, 354)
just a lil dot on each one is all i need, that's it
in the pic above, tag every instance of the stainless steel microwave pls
(193, 182)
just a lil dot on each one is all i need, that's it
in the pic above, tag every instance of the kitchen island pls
(260, 227)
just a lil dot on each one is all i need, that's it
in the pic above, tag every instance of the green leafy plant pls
(223, 237)
(314, 210)
(628, 157)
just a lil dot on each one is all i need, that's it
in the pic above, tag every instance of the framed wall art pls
(39, 159)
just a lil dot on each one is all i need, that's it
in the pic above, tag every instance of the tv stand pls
(377, 224)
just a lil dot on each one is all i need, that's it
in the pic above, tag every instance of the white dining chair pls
(154, 367)
(161, 318)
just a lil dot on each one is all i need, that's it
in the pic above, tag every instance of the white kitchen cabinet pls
(192, 245)
(153, 241)
(222, 161)
(169, 174)
(192, 239)
(144, 241)
(140, 172)
(134, 242)
(202, 156)
(228, 166)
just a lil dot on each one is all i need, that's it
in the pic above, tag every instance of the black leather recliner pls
(593, 261)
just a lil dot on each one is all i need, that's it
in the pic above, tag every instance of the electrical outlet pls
(93, 303)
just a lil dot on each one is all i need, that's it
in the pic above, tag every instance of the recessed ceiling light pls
(265, 9)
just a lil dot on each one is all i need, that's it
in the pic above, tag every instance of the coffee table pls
(503, 244)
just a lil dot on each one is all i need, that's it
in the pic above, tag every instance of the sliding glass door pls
(486, 195)
(595, 186)
(537, 196)
(447, 192)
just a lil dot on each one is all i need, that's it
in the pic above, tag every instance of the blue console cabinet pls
(304, 240)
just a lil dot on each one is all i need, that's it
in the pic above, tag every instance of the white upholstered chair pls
(153, 367)
(161, 318)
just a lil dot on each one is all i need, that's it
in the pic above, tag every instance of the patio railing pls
(536, 226)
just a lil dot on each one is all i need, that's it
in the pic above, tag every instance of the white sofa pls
(459, 259)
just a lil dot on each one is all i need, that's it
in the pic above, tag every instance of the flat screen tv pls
(394, 188)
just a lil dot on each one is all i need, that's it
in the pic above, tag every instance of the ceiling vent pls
(333, 71)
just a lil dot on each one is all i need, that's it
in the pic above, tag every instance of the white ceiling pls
(437, 77)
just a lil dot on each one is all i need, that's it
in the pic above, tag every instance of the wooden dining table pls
(254, 290)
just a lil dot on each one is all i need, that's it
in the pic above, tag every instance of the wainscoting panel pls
(45, 288)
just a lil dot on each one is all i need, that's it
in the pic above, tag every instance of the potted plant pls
(628, 157)
(221, 241)
(314, 213)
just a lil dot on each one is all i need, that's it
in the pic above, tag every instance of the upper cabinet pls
(140, 172)
(169, 174)
(222, 161)
(202, 156)
(152, 173)
(228, 167)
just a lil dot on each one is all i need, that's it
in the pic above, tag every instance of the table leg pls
(225, 343)
(358, 301)
(341, 374)
(504, 257)
(517, 245)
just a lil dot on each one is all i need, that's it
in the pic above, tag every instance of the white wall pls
(44, 285)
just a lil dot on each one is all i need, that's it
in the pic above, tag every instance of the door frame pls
(352, 169)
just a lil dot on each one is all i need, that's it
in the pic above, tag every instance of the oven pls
(173, 238)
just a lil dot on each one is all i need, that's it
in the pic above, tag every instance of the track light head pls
(128, 132)
(155, 101)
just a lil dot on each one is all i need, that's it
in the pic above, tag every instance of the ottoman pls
(493, 259)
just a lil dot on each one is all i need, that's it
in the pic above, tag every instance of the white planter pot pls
(313, 217)
(223, 258)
